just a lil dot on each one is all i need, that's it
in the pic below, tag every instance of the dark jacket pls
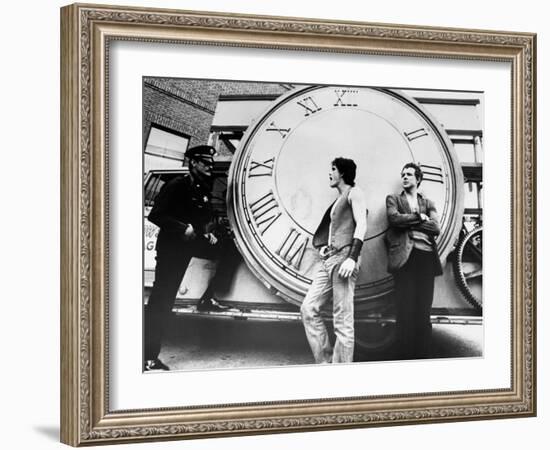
(401, 222)
(179, 203)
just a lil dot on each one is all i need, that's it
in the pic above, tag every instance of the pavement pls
(198, 342)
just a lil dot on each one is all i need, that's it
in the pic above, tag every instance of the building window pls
(165, 149)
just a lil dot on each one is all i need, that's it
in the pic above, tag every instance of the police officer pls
(184, 214)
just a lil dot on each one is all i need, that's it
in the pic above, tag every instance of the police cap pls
(202, 152)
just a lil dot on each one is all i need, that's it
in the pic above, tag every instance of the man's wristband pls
(355, 249)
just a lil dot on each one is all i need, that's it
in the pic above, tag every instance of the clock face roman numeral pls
(432, 173)
(293, 247)
(282, 131)
(345, 97)
(265, 211)
(261, 169)
(309, 105)
(412, 135)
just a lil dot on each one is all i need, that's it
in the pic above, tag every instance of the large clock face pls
(279, 186)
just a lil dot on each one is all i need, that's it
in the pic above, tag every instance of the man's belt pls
(328, 250)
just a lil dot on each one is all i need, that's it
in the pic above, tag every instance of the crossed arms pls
(427, 223)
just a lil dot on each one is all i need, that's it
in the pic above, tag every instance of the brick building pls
(179, 113)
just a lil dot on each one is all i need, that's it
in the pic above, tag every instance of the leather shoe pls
(151, 365)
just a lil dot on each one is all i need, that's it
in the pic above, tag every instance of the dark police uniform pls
(182, 201)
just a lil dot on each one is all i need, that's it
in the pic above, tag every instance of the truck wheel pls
(374, 340)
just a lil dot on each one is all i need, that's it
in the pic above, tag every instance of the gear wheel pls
(468, 265)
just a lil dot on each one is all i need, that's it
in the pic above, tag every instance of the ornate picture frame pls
(87, 31)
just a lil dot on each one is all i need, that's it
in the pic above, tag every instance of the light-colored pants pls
(327, 282)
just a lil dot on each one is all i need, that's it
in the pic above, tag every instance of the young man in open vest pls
(339, 238)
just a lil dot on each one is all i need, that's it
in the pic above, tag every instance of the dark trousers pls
(172, 259)
(414, 288)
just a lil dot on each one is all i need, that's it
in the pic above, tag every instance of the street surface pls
(197, 342)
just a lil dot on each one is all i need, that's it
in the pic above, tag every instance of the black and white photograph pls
(293, 220)
(294, 224)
